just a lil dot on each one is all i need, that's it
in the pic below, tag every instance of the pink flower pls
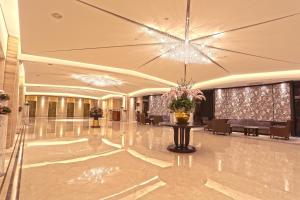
(184, 90)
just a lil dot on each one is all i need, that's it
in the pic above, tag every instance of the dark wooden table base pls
(181, 140)
(251, 131)
(181, 137)
(187, 149)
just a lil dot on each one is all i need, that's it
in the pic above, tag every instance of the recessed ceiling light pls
(56, 15)
(97, 80)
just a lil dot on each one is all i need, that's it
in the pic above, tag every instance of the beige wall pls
(42, 105)
(139, 100)
(117, 104)
(61, 107)
(78, 110)
(113, 104)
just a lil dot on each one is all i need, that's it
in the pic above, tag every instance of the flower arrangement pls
(96, 113)
(182, 100)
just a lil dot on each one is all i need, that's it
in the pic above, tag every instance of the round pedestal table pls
(181, 137)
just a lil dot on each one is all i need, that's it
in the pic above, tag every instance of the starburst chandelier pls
(184, 50)
(187, 53)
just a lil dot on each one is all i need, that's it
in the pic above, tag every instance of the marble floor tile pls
(65, 159)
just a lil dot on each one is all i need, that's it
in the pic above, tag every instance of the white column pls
(124, 110)
(131, 110)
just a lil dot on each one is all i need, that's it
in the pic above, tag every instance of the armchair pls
(281, 131)
(221, 126)
(157, 119)
(208, 125)
(144, 119)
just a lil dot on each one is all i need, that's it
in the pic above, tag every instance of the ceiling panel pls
(41, 73)
(261, 28)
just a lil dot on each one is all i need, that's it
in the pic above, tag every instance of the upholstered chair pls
(208, 125)
(221, 126)
(281, 131)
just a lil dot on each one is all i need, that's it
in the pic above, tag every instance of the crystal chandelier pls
(188, 53)
(184, 50)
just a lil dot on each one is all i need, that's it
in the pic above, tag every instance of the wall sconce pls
(62, 103)
(79, 103)
(42, 101)
(283, 87)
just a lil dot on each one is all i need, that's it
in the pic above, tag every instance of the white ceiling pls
(86, 35)
(11, 14)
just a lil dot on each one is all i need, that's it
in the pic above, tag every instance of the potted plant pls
(182, 101)
(96, 113)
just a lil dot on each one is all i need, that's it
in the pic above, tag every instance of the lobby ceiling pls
(254, 36)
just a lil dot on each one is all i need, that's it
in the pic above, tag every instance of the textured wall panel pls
(266, 103)
(158, 106)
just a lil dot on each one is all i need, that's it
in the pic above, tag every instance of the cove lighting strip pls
(263, 76)
(112, 96)
(148, 91)
(33, 58)
(73, 87)
(61, 95)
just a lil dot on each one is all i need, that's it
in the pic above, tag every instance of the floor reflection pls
(127, 161)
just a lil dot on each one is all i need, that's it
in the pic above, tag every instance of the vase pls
(182, 117)
(96, 122)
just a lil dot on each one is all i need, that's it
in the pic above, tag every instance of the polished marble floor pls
(65, 159)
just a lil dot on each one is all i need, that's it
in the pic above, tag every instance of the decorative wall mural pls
(266, 103)
(282, 102)
(158, 106)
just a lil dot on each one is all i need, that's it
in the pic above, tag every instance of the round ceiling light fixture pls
(98, 80)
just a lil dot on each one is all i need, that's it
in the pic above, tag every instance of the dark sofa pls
(237, 125)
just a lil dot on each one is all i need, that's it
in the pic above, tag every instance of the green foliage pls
(5, 110)
(4, 97)
(181, 104)
(96, 112)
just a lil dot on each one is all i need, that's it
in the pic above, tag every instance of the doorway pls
(32, 108)
(70, 109)
(86, 110)
(52, 109)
